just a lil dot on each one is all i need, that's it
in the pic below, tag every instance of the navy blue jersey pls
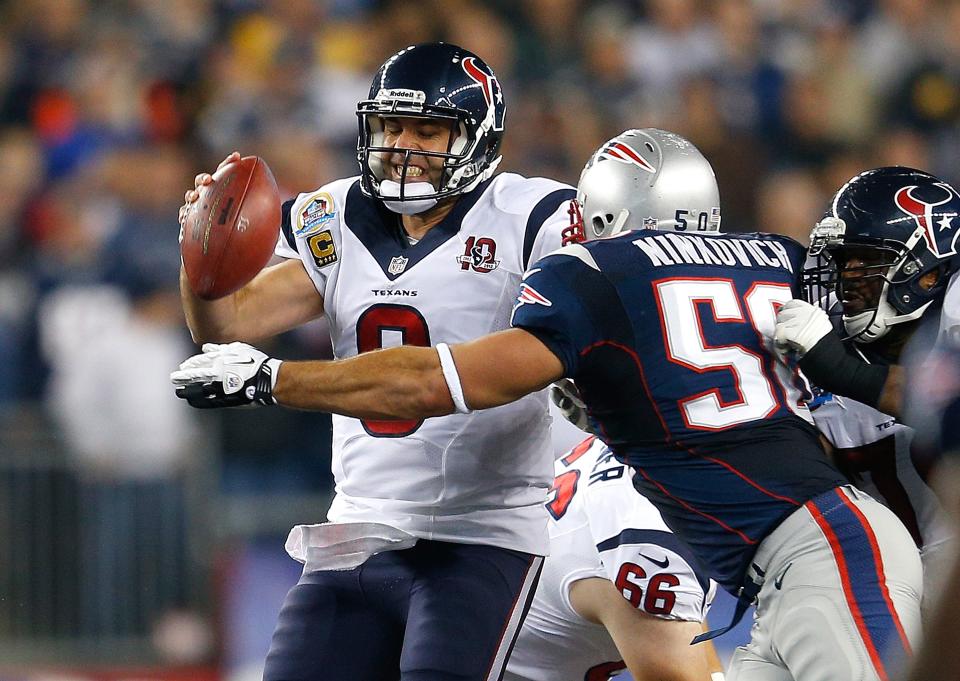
(669, 338)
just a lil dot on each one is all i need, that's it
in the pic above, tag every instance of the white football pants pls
(840, 599)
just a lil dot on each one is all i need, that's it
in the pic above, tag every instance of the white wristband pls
(452, 378)
(716, 676)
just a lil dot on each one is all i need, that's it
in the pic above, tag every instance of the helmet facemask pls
(883, 270)
(575, 211)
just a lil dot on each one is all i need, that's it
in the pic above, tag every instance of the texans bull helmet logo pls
(492, 94)
(927, 218)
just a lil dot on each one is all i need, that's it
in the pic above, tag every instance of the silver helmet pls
(648, 178)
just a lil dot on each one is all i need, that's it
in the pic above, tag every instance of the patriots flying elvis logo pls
(618, 151)
(530, 296)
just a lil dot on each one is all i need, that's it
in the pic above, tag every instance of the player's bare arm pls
(403, 382)
(891, 395)
(409, 382)
(654, 649)
(503, 367)
(280, 298)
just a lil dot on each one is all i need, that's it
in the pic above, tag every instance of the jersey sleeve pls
(552, 224)
(286, 243)
(645, 561)
(311, 231)
(548, 306)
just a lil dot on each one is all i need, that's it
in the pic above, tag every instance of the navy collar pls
(380, 231)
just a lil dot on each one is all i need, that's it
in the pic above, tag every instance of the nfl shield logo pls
(397, 265)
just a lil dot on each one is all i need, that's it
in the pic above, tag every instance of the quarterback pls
(432, 517)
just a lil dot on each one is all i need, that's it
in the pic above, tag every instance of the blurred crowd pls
(108, 108)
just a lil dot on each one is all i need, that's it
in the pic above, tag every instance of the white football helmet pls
(648, 179)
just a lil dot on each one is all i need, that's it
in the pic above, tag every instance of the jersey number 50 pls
(752, 363)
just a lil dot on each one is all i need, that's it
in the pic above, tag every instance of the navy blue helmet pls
(885, 249)
(442, 82)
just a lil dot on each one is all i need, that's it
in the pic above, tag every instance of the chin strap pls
(880, 321)
(411, 205)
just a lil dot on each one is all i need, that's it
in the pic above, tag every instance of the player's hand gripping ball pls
(230, 230)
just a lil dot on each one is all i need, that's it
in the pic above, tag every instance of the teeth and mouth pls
(853, 302)
(851, 307)
(412, 171)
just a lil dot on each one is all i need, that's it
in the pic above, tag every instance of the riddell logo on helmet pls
(926, 218)
(415, 96)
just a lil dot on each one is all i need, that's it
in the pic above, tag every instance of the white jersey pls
(601, 527)
(474, 478)
(874, 453)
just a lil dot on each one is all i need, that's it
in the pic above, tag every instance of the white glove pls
(565, 395)
(231, 375)
(800, 326)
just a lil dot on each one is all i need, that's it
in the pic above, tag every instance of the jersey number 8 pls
(388, 325)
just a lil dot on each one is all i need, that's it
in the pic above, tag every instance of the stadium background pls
(141, 539)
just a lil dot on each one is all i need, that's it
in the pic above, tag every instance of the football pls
(231, 229)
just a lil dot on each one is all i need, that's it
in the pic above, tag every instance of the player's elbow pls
(429, 396)
(673, 658)
(202, 335)
(661, 672)
(891, 395)
(224, 331)
(199, 336)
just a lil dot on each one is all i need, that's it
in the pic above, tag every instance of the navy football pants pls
(435, 612)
